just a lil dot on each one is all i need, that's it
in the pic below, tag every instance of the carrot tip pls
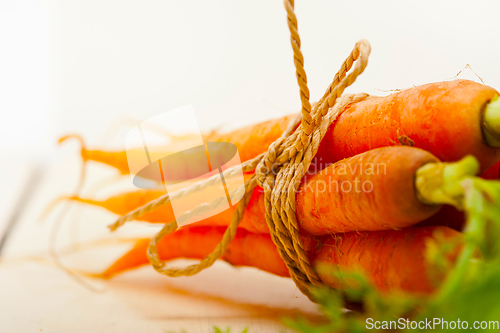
(71, 136)
(51, 206)
(102, 276)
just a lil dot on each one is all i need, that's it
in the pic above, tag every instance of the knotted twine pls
(278, 171)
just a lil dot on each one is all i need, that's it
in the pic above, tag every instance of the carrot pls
(125, 202)
(250, 141)
(390, 203)
(197, 242)
(122, 204)
(393, 260)
(254, 139)
(117, 159)
(444, 118)
(382, 255)
(370, 191)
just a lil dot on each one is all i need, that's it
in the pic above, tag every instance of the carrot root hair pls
(51, 206)
(84, 161)
(72, 136)
(60, 219)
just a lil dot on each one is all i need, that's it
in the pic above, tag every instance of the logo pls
(160, 161)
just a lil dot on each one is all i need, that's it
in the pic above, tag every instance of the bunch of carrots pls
(404, 156)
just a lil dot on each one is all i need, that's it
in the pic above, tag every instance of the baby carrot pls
(370, 191)
(117, 159)
(444, 118)
(381, 255)
(126, 202)
(447, 119)
(393, 260)
(250, 140)
(197, 242)
(254, 139)
(384, 200)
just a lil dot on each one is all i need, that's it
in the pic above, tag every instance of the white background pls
(82, 66)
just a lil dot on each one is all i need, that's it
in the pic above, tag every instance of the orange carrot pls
(382, 255)
(118, 159)
(443, 118)
(370, 191)
(389, 203)
(393, 260)
(197, 242)
(250, 141)
(254, 139)
(126, 202)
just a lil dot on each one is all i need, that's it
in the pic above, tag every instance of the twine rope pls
(278, 171)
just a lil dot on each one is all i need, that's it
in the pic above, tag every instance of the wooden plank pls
(16, 179)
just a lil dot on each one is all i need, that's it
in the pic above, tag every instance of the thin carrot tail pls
(84, 160)
(85, 201)
(73, 136)
(82, 200)
(63, 198)
(83, 173)
(132, 259)
(51, 206)
(60, 219)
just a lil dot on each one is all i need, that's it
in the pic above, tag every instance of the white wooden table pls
(37, 296)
